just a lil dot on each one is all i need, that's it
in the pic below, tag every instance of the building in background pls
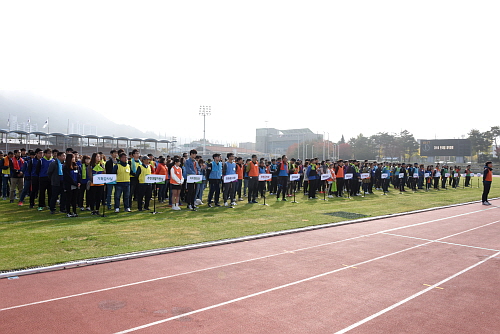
(276, 142)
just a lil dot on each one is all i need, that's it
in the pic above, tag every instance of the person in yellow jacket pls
(122, 186)
(144, 190)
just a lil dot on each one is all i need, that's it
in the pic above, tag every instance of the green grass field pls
(30, 238)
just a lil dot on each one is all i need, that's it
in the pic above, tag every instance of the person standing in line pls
(95, 192)
(191, 168)
(274, 181)
(16, 175)
(134, 162)
(144, 190)
(312, 175)
(214, 172)
(201, 186)
(252, 169)
(27, 170)
(176, 180)
(240, 171)
(83, 194)
(339, 173)
(55, 174)
(161, 169)
(71, 183)
(467, 176)
(112, 161)
(283, 173)
(487, 180)
(35, 179)
(122, 186)
(44, 186)
(305, 181)
(229, 168)
(436, 175)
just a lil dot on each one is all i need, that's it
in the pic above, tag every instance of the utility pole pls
(204, 111)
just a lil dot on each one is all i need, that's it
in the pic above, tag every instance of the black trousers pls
(214, 191)
(44, 188)
(56, 192)
(340, 186)
(313, 184)
(95, 196)
(71, 199)
(144, 193)
(282, 186)
(35, 186)
(486, 190)
(133, 189)
(229, 191)
(253, 188)
(190, 194)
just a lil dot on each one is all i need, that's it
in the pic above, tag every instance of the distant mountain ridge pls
(26, 105)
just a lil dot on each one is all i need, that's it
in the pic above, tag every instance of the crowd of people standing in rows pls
(50, 177)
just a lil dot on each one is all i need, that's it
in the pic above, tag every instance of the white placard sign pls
(463, 175)
(265, 177)
(348, 176)
(438, 174)
(155, 178)
(294, 177)
(479, 175)
(230, 178)
(385, 175)
(446, 174)
(427, 174)
(401, 175)
(365, 176)
(415, 175)
(103, 178)
(194, 178)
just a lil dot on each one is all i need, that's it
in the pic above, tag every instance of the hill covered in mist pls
(26, 105)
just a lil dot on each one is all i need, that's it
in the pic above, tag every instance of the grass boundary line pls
(167, 250)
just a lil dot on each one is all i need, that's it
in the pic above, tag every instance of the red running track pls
(431, 272)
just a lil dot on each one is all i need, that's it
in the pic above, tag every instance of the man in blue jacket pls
(214, 172)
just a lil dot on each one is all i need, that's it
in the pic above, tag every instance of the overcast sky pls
(342, 67)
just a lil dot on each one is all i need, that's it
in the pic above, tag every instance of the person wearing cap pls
(144, 190)
(487, 179)
(122, 186)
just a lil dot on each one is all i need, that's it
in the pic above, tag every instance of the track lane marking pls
(373, 316)
(230, 264)
(264, 291)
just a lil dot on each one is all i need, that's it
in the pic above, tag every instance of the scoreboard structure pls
(446, 147)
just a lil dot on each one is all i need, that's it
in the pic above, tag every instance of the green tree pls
(480, 142)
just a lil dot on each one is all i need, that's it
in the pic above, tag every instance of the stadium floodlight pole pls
(204, 111)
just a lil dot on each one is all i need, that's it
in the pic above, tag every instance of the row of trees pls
(396, 146)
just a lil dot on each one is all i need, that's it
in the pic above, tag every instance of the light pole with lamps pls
(205, 111)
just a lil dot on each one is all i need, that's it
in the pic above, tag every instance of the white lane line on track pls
(266, 291)
(373, 316)
(450, 243)
(229, 264)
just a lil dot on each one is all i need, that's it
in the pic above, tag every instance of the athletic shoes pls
(254, 201)
(40, 208)
(20, 204)
(284, 199)
(117, 210)
(217, 204)
(233, 203)
(486, 203)
(127, 210)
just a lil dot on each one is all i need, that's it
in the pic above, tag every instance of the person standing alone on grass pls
(487, 179)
